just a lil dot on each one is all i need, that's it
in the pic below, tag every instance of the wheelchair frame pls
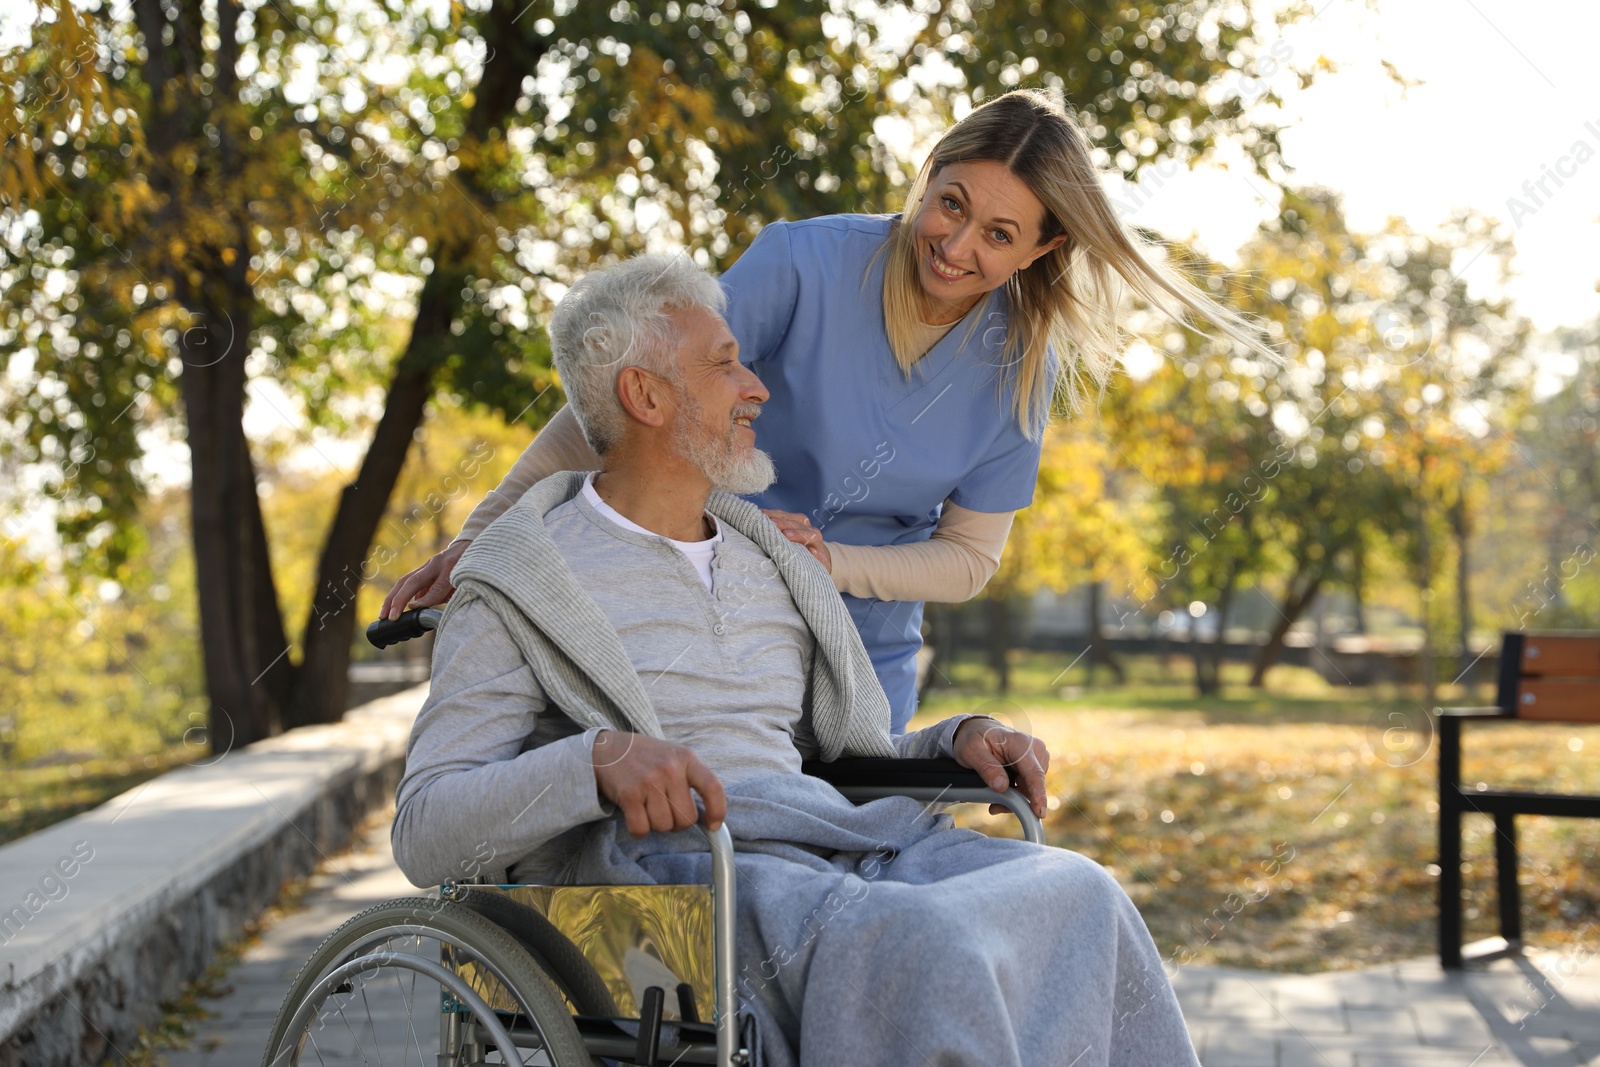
(936, 781)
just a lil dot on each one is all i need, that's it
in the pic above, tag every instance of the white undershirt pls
(699, 552)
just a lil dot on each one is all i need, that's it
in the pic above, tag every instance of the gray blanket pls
(909, 941)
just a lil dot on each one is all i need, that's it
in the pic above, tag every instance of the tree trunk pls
(1208, 654)
(1461, 527)
(1429, 669)
(1219, 644)
(323, 683)
(1099, 653)
(998, 636)
(1299, 594)
(1358, 588)
(1206, 682)
(277, 673)
(229, 551)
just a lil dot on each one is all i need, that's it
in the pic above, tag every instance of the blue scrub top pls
(869, 453)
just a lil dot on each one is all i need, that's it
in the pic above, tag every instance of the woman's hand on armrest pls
(426, 586)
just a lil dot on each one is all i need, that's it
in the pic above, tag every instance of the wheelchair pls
(558, 975)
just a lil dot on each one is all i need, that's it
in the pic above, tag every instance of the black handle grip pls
(413, 623)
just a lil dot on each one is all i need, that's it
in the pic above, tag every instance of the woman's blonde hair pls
(1066, 300)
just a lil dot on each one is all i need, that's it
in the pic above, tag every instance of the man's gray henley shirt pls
(494, 772)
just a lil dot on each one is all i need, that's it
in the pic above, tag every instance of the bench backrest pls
(1551, 676)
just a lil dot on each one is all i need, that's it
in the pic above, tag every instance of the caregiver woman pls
(912, 367)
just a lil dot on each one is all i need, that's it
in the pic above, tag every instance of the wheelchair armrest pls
(939, 773)
(932, 781)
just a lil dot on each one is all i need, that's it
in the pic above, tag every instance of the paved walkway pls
(236, 1032)
(1541, 1010)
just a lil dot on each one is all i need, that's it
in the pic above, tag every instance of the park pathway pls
(236, 1030)
(1543, 1010)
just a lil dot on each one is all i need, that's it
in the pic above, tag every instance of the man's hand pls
(650, 779)
(798, 529)
(989, 747)
(426, 586)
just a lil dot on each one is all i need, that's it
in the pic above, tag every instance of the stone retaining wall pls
(170, 871)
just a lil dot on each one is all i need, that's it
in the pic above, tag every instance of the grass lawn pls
(1293, 829)
(33, 797)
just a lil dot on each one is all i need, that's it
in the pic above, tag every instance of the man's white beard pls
(720, 458)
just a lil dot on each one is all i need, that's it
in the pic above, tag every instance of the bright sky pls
(1505, 99)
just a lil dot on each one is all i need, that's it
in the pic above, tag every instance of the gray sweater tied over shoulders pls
(516, 569)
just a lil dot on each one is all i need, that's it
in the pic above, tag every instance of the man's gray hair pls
(616, 317)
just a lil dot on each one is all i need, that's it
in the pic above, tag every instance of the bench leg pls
(1450, 842)
(1505, 859)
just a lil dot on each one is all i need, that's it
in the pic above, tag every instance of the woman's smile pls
(943, 267)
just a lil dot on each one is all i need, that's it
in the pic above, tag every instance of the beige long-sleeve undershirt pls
(951, 566)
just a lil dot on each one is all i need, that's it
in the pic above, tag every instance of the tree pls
(1452, 380)
(1392, 377)
(1197, 436)
(1318, 307)
(219, 197)
(1562, 436)
(219, 240)
(1075, 531)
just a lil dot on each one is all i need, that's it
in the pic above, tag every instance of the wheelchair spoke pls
(312, 1038)
(372, 1025)
(411, 1022)
(354, 1037)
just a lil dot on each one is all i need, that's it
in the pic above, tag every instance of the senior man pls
(620, 641)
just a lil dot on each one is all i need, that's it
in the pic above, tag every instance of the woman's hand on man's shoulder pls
(798, 529)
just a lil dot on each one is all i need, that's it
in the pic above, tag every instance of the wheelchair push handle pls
(413, 623)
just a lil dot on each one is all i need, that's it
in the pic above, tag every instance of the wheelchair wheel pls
(426, 982)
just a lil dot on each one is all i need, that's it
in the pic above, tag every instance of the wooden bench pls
(1550, 677)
